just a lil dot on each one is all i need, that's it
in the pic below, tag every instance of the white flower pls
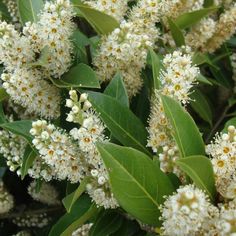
(47, 194)
(83, 230)
(184, 212)
(6, 200)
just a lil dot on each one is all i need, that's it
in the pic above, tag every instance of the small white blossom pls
(6, 200)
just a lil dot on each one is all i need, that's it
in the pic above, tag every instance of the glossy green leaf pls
(200, 170)
(2, 115)
(188, 19)
(137, 183)
(28, 160)
(101, 22)
(81, 212)
(185, 131)
(70, 199)
(3, 94)
(117, 90)
(80, 76)
(106, 223)
(21, 128)
(200, 104)
(156, 68)
(176, 33)
(202, 79)
(123, 124)
(29, 10)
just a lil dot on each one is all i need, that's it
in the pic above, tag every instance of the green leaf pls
(28, 160)
(80, 213)
(123, 124)
(200, 170)
(117, 90)
(106, 223)
(4, 14)
(70, 199)
(185, 131)
(208, 3)
(29, 10)
(228, 123)
(176, 33)
(80, 76)
(3, 94)
(101, 22)
(2, 115)
(201, 106)
(137, 183)
(188, 19)
(202, 79)
(21, 128)
(43, 58)
(156, 68)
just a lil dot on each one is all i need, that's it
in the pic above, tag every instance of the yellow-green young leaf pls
(137, 183)
(188, 19)
(70, 199)
(200, 104)
(3, 94)
(80, 76)
(200, 170)
(156, 68)
(117, 90)
(107, 223)
(176, 33)
(185, 131)
(28, 160)
(81, 212)
(21, 128)
(29, 10)
(122, 123)
(101, 22)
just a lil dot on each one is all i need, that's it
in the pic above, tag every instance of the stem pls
(217, 124)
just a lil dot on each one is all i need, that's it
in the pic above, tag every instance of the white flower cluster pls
(52, 32)
(83, 230)
(12, 9)
(47, 193)
(177, 78)
(223, 153)
(32, 220)
(6, 200)
(58, 151)
(224, 29)
(115, 8)
(233, 64)
(12, 147)
(91, 132)
(185, 212)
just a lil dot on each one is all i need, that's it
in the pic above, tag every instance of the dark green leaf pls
(185, 131)
(3, 94)
(4, 14)
(156, 68)
(123, 124)
(101, 22)
(2, 115)
(70, 199)
(80, 76)
(107, 223)
(201, 106)
(21, 128)
(200, 170)
(29, 10)
(188, 19)
(137, 183)
(176, 33)
(81, 212)
(28, 160)
(202, 79)
(116, 89)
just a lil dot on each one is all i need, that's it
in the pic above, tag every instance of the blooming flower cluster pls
(47, 193)
(223, 152)
(83, 230)
(58, 151)
(6, 200)
(13, 11)
(177, 78)
(184, 212)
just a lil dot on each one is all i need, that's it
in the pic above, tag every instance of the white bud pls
(83, 97)
(69, 118)
(75, 109)
(231, 128)
(87, 105)
(69, 103)
(94, 173)
(33, 131)
(45, 135)
(101, 180)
